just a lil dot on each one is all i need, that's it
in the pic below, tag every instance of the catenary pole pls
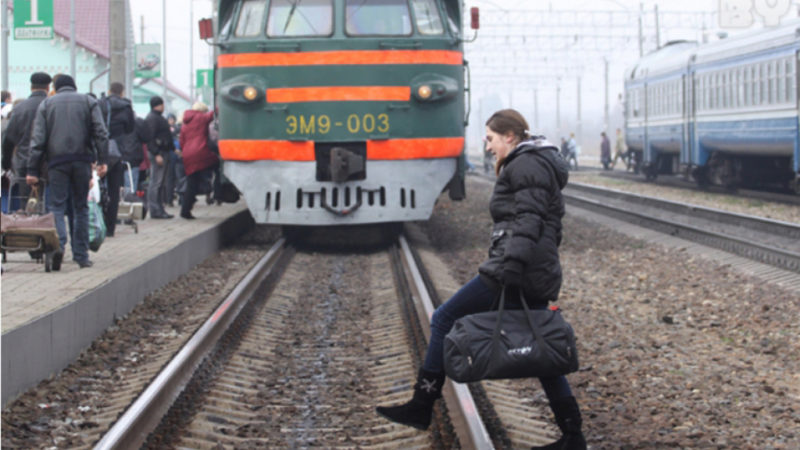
(579, 130)
(641, 38)
(116, 20)
(658, 31)
(72, 37)
(164, 50)
(191, 49)
(128, 50)
(605, 85)
(5, 45)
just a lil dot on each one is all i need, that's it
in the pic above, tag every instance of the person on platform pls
(198, 159)
(159, 148)
(120, 120)
(68, 133)
(17, 136)
(526, 208)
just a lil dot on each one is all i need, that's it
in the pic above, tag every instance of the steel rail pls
(471, 432)
(758, 252)
(777, 227)
(141, 418)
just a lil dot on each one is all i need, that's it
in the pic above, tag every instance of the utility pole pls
(129, 56)
(141, 29)
(558, 106)
(72, 37)
(5, 45)
(191, 50)
(116, 20)
(658, 33)
(164, 51)
(605, 85)
(641, 12)
(579, 125)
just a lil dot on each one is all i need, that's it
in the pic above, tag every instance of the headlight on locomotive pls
(250, 93)
(246, 89)
(424, 92)
(429, 87)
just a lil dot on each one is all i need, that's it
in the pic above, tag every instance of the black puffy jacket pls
(526, 208)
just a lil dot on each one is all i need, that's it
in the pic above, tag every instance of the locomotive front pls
(340, 111)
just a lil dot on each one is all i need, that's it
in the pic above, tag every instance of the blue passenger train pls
(721, 113)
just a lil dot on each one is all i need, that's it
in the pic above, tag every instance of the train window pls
(377, 18)
(296, 18)
(714, 95)
(743, 86)
(703, 94)
(250, 14)
(427, 17)
(780, 75)
(226, 20)
(762, 76)
(729, 89)
(771, 81)
(746, 86)
(790, 81)
(723, 85)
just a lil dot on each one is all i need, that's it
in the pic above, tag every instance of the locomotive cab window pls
(377, 18)
(226, 20)
(298, 18)
(426, 16)
(250, 15)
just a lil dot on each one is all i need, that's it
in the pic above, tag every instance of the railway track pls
(301, 353)
(783, 196)
(768, 241)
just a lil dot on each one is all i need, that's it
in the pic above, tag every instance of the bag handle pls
(496, 335)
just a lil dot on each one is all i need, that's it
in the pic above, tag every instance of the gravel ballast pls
(676, 351)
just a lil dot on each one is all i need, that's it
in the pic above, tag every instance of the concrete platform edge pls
(35, 351)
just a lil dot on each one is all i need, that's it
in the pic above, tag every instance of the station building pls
(92, 62)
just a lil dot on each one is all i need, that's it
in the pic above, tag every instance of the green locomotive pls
(337, 112)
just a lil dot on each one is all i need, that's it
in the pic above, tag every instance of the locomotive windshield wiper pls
(291, 13)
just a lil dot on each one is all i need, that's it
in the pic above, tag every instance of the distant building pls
(92, 62)
(176, 102)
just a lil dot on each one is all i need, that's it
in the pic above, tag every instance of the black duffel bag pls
(510, 344)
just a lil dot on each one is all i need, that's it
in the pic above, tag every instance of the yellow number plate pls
(312, 124)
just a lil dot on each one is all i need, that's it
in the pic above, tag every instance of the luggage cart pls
(31, 230)
(131, 207)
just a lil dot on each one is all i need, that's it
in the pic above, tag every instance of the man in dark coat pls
(159, 148)
(18, 133)
(605, 151)
(119, 118)
(133, 153)
(66, 131)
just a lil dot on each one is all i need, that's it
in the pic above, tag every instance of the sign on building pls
(148, 61)
(205, 78)
(33, 19)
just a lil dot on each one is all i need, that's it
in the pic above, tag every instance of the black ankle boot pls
(417, 412)
(568, 419)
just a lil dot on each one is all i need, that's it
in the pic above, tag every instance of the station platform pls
(49, 318)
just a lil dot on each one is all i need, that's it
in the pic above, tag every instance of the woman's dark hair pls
(509, 120)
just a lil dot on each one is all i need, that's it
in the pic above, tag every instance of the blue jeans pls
(475, 297)
(70, 181)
